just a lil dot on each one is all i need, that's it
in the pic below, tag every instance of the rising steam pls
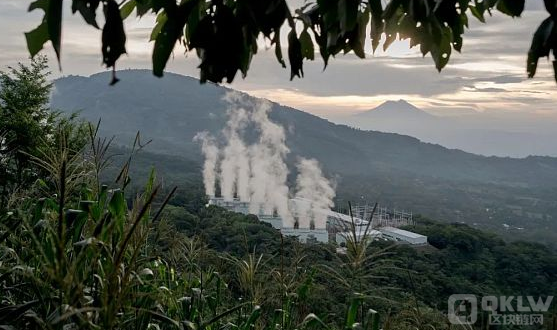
(313, 187)
(257, 173)
(234, 175)
(211, 152)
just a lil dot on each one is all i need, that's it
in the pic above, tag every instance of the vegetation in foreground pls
(78, 252)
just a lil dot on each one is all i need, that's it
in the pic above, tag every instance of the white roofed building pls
(341, 237)
(403, 236)
(310, 223)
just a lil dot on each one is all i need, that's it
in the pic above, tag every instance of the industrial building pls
(403, 236)
(295, 205)
(337, 225)
(341, 237)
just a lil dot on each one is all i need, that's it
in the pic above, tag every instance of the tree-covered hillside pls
(514, 197)
(173, 110)
(460, 259)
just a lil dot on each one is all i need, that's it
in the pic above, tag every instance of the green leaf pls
(347, 14)
(352, 312)
(478, 13)
(127, 9)
(540, 45)
(307, 45)
(225, 49)
(376, 22)
(358, 38)
(441, 51)
(143, 7)
(457, 33)
(249, 49)
(75, 220)
(295, 56)
(87, 9)
(37, 38)
(511, 7)
(464, 19)
(113, 35)
(49, 29)
(420, 10)
(329, 11)
(150, 183)
(161, 19)
(278, 49)
(170, 33)
(117, 205)
(54, 19)
(551, 7)
(193, 20)
(118, 208)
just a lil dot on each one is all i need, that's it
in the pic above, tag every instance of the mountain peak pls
(391, 109)
(400, 105)
(399, 102)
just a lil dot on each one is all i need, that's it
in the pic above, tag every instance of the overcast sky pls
(488, 77)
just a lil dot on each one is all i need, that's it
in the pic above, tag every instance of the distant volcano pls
(469, 133)
(394, 110)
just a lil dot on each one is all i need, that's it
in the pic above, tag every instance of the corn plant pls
(80, 253)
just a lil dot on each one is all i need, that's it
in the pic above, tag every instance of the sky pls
(487, 79)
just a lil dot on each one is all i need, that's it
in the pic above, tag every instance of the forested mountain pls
(395, 170)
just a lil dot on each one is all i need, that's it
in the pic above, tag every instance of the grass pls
(78, 254)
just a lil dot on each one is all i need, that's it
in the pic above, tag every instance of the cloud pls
(488, 76)
(487, 90)
(501, 80)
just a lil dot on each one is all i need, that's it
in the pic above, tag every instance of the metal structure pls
(385, 223)
(383, 217)
(403, 236)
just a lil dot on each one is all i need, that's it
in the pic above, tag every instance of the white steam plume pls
(316, 194)
(269, 171)
(235, 170)
(257, 173)
(211, 152)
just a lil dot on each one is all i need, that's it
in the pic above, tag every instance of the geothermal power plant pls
(384, 224)
(251, 178)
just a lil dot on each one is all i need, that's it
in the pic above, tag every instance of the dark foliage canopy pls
(225, 33)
